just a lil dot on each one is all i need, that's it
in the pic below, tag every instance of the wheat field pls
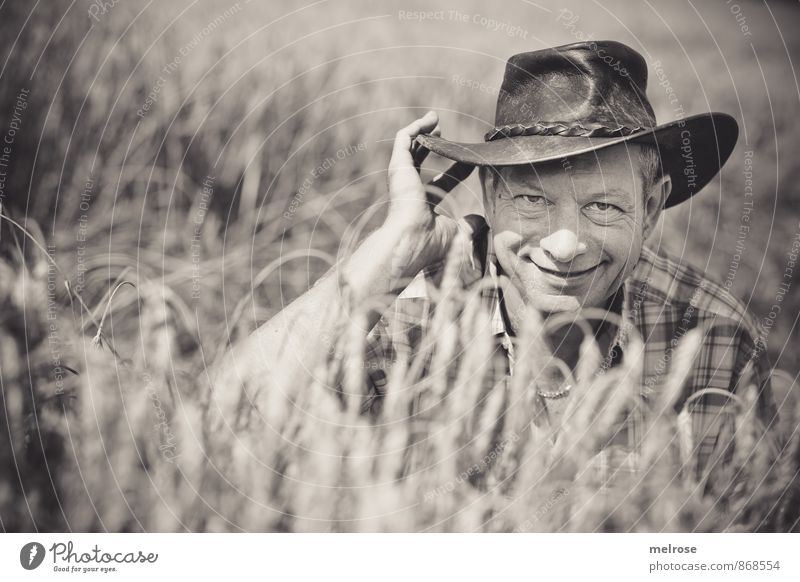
(179, 172)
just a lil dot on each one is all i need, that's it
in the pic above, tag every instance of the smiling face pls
(568, 233)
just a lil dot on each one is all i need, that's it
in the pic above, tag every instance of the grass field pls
(216, 155)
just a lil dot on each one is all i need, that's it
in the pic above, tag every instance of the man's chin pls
(552, 304)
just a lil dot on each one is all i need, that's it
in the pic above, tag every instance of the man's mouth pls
(569, 274)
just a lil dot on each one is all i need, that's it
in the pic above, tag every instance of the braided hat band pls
(562, 129)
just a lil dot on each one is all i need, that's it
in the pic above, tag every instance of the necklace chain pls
(556, 393)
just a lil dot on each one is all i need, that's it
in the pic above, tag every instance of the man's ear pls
(654, 202)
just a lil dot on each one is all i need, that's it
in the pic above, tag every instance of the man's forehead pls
(617, 170)
(602, 163)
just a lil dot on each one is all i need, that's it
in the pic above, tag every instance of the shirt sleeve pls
(753, 369)
(715, 418)
(378, 357)
(396, 336)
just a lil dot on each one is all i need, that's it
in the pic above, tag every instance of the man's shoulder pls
(674, 282)
(679, 297)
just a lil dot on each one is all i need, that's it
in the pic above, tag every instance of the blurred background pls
(186, 145)
(132, 106)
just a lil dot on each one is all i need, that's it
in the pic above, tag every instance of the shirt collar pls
(489, 263)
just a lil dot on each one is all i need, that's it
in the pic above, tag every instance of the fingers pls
(401, 152)
(419, 152)
(424, 124)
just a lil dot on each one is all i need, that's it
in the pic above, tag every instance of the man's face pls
(568, 233)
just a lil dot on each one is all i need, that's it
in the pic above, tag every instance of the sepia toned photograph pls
(397, 267)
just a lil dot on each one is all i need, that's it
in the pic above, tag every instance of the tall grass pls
(138, 445)
(115, 427)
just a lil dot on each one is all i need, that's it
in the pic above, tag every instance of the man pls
(575, 175)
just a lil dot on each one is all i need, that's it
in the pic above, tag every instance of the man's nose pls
(563, 245)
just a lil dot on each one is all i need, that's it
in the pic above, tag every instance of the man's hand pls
(426, 235)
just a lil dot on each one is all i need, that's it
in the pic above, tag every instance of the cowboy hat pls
(577, 98)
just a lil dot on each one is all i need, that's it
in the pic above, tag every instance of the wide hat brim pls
(692, 149)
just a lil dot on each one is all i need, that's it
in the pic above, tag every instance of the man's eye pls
(604, 207)
(530, 200)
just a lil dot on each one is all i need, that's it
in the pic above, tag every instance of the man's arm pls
(294, 340)
(282, 354)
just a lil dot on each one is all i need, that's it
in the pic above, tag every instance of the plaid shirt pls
(662, 299)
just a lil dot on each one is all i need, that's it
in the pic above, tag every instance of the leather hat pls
(577, 98)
